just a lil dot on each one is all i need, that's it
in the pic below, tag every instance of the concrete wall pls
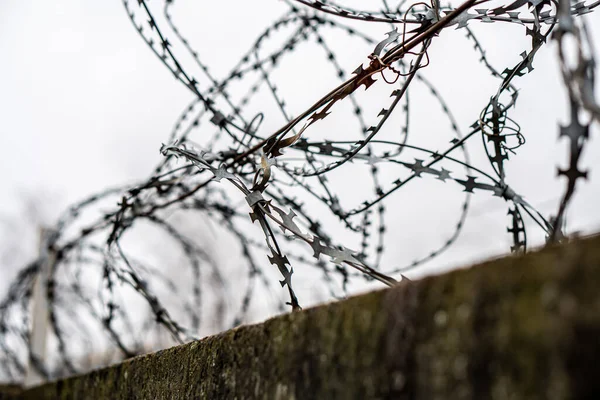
(513, 328)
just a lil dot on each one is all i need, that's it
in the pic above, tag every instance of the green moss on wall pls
(9, 392)
(513, 328)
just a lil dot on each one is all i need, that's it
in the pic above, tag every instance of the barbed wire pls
(287, 181)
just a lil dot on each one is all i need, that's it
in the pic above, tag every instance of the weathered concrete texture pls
(10, 392)
(514, 328)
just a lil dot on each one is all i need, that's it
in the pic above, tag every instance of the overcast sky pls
(85, 105)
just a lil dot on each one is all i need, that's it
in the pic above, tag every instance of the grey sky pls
(85, 105)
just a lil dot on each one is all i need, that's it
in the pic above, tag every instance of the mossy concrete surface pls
(514, 328)
(9, 392)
